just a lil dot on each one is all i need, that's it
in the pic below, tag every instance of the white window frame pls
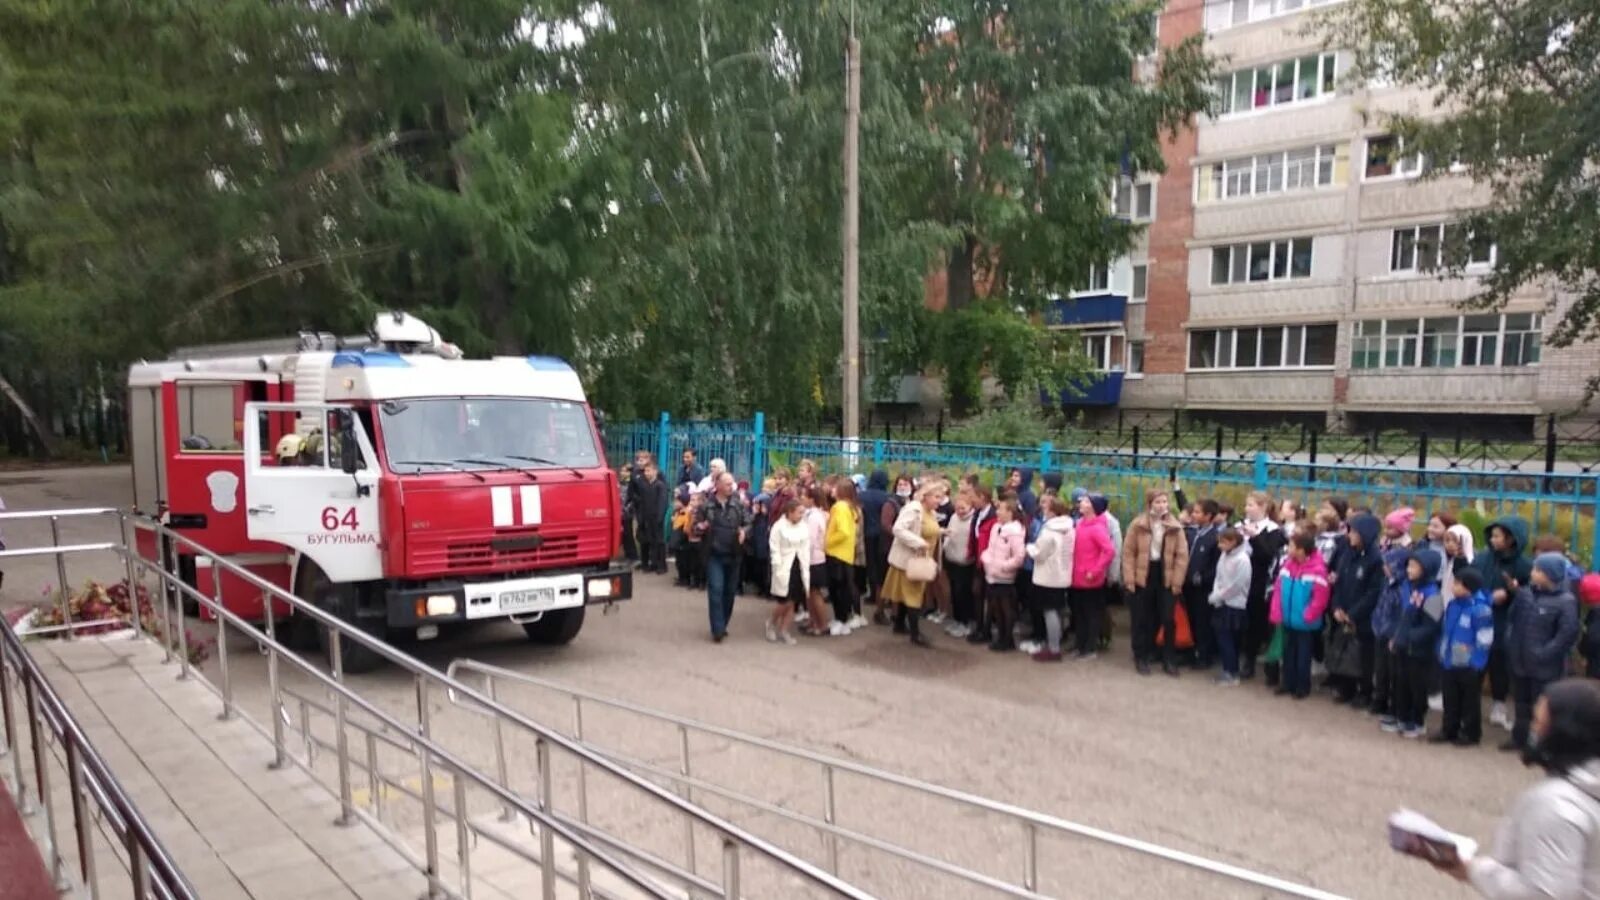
(1129, 370)
(1229, 337)
(1221, 170)
(1415, 269)
(1401, 172)
(1275, 246)
(1324, 58)
(1091, 290)
(1277, 9)
(1128, 189)
(1133, 281)
(1416, 342)
(1109, 360)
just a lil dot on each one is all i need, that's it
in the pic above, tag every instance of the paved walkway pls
(236, 828)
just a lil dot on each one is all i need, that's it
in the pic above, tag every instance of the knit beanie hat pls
(1471, 579)
(1400, 520)
(1052, 483)
(1589, 589)
(1078, 493)
(1554, 567)
(1098, 503)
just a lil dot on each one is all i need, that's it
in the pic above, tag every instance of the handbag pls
(1274, 648)
(1343, 653)
(922, 569)
(1180, 625)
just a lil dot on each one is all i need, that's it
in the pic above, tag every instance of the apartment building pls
(1286, 270)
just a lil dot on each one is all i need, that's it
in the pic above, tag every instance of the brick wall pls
(1167, 309)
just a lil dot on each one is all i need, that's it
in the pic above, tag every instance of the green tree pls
(1514, 90)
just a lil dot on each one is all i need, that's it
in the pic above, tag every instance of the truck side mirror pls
(349, 451)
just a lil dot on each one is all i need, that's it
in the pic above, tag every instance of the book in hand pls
(1414, 834)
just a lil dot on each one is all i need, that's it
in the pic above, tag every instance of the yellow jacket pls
(841, 541)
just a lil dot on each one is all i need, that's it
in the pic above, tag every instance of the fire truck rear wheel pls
(559, 626)
(344, 601)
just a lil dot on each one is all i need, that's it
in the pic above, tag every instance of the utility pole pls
(852, 232)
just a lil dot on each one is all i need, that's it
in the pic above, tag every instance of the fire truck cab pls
(391, 482)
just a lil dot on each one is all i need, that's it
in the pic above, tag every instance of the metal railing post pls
(547, 838)
(41, 775)
(342, 738)
(222, 649)
(463, 836)
(23, 806)
(584, 890)
(82, 825)
(274, 699)
(506, 812)
(61, 576)
(730, 869)
(830, 816)
(1030, 857)
(133, 584)
(183, 626)
(429, 824)
(374, 783)
(164, 588)
(138, 874)
(688, 794)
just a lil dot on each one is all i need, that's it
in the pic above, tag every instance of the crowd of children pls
(1393, 623)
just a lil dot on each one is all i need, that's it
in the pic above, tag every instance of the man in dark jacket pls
(1358, 581)
(691, 473)
(1542, 632)
(871, 499)
(1202, 532)
(650, 510)
(722, 524)
(1505, 571)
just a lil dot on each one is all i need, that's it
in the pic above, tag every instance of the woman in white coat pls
(789, 542)
(1052, 572)
(916, 533)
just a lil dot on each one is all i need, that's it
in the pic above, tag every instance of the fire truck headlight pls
(600, 588)
(441, 605)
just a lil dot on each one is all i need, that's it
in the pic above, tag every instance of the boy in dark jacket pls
(1542, 632)
(1385, 623)
(650, 513)
(1358, 580)
(758, 555)
(1468, 633)
(1505, 571)
(871, 500)
(1416, 641)
(1201, 576)
(1589, 598)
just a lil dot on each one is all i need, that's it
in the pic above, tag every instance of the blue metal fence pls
(1564, 504)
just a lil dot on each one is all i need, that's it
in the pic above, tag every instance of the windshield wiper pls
(541, 461)
(452, 466)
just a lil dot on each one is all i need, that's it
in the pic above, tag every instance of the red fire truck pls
(389, 481)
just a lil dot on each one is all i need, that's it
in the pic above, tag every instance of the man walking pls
(722, 523)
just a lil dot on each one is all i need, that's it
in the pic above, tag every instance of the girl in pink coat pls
(1001, 562)
(1092, 554)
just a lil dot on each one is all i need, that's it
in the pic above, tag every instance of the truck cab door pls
(322, 503)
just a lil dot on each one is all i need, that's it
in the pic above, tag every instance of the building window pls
(1136, 357)
(1261, 261)
(1447, 342)
(1099, 281)
(1267, 347)
(1104, 350)
(1141, 283)
(1302, 169)
(1281, 84)
(1386, 158)
(1222, 14)
(1425, 248)
(1135, 200)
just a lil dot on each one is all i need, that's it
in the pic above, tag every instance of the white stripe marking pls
(501, 498)
(532, 506)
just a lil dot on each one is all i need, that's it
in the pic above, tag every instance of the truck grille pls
(504, 551)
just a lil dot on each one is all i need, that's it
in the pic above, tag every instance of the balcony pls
(1086, 310)
(1098, 389)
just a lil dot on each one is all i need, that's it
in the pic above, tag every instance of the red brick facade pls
(1166, 345)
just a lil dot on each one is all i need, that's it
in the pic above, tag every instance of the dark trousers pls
(877, 565)
(1358, 686)
(1499, 665)
(1088, 609)
(1197, 603)
(722, 580)
(1411, 694)
(1152, 609)
(1257, 630)
(1297, 650)
(1226, 625)
(1031, 611)
(962, 606)
(1386, 670)
(841, 588)
(630, 548)
(1463, 704)
(1525, 691)
(652, 549)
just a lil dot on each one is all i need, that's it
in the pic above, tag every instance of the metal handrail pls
(1032, 822)
(149, 864)
(732, 836)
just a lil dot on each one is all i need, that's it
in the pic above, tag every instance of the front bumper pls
(457, 601)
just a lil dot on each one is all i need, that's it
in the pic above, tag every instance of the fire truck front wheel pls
(558, 626)
(345, 602)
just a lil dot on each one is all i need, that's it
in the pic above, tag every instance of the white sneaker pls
(802, 617)
(1436, 702)
(951, 626)
(772, 633)
(788, 638)
(1030, 647)
(856, 621)
(936, 617)
(1499, 716)
(837, 628)
(959, 631)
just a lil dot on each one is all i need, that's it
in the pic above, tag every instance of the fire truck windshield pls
(492, 432)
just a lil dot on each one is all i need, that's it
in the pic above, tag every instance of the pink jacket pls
(1092, 552)
(1302, 587)
(1006, 552)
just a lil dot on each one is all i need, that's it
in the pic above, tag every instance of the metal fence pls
(1560, 502)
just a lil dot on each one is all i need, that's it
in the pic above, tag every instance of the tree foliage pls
(1515, 91)
(651, 190)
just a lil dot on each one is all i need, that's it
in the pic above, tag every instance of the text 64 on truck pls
(389, 481)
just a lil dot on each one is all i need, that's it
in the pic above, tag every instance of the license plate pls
(522, 601)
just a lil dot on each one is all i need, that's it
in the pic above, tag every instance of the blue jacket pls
(872, 498)
(1392, 599)
(1035, 525)
(1418, 633)
(1468, 632)
(1360, 580)
(1025, 496)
